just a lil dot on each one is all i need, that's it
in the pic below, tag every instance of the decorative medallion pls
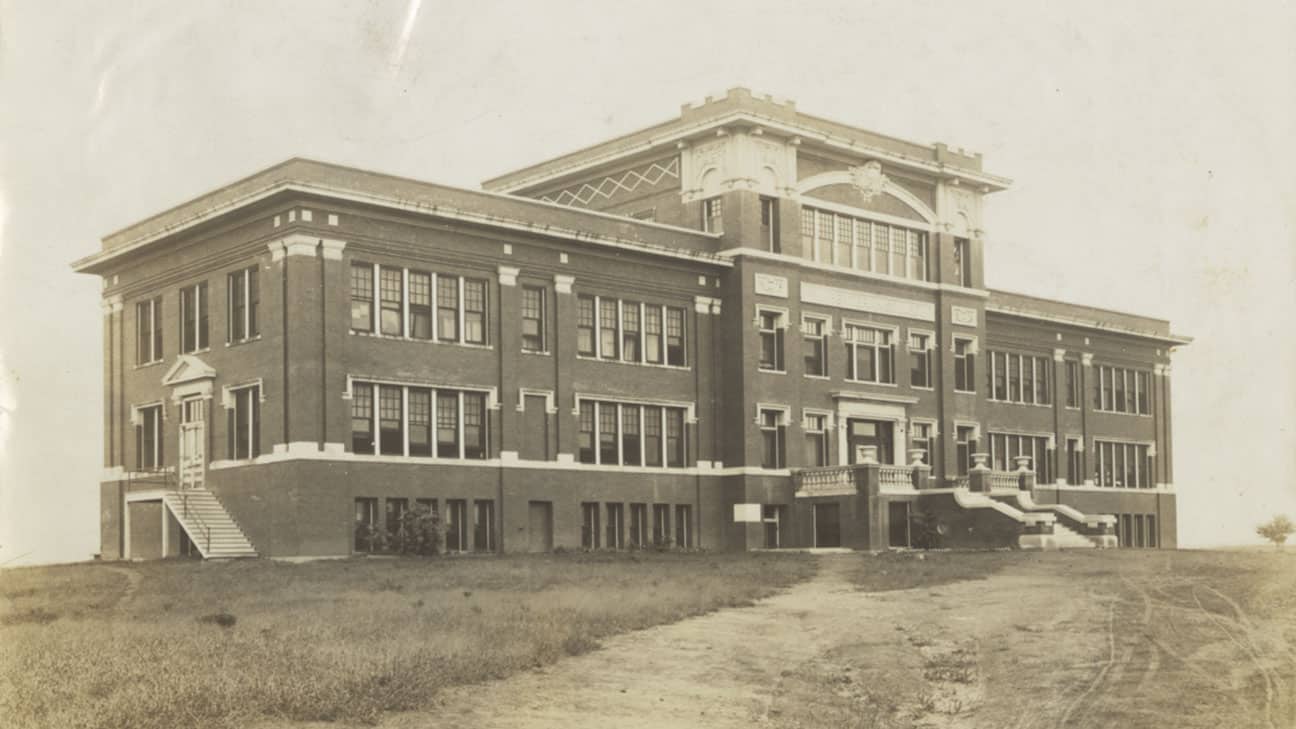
(869, 179)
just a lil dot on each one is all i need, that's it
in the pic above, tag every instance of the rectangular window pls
(964, 446)
(483, 525)
(1118, 376)
(447, 417)
(638, 525)
(396, 509)
(148, 439)
(920, 360)
(390, 440)
(1072, 384)
(870, 354)
(1075, 462)
(769, 224)
(420, 421)
(630, 450)
(391, 318)
(1109, 388)
(921, 435)
(244, 423)
(607, 422)
(863, 245)
(585, 436)
(674, 437)
(773, 517)
(683, 526)
(1006, 447)
(773, 439)
(661, 524)
(420, 304)
(1144, 407)
(815, 333)
(807, 233)
(964, 365)
(845, 241)
(1138, 530)
(474, 425)
(770, 325)
(362, 414)
(1014, 378)
(193, 318)
(1151, 531)
(1028, 379)
(589, 525)
(533, 319)
(1020, 378)
(998, 376)
(816, 440)
(608, 328)
(1043, 381)
(148, 331)
(630, 331)
(962, 262)
(447, 294)
(456, 525)
(474, 311)
(362, 297)
(917, 256)
(653, 350)
(243, 297)
(585, 326)
(674, 336)
(366, 525)
(713, 215)
(652, 435)
(881, 248)
(615, 526)
(899, 249)
(823, 239)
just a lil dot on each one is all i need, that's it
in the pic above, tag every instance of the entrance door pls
(870, 433)
(193, 442)
(540, 527)
(827, 525)
(898, 523)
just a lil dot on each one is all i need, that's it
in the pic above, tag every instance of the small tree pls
(1277, 530)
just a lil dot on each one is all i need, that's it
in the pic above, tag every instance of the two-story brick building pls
(745, 327)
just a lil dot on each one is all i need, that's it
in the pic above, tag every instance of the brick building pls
(745, 327)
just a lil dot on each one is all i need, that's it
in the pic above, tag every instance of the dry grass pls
(889, 571)
(225, 644)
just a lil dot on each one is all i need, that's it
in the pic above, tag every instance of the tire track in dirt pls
(1247, 649)
(1102, 673)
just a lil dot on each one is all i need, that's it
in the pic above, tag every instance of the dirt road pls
(1049, 642)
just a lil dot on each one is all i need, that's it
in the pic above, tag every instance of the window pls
(362, 433)
(962, 262)
(456, 525)
(243, 297)
(148, 331)
(863, 245)
(396, 509)
(391, 317)
(1121, 390)
(674, 437)
(965, 445)
(362, 297)
(474, 425)
(631, 446)
(1151, 530)
(420, 421)
(585, 325)
(815, 333)
(770, 325)
(474, 311)
(920, 360)
(845, 242)
(533, 319)
(652, 435)
(193, 318)
(243, 423)
(420, 305)
(964, 364)
(483, 525)
(713, 215)
(661, 524)
(1021, 378)
(390, 441)
(1075, 462)
(899, 249)
(607, 421)
(683, 526)
(148, 438)
(773, 438)
(816, 439)
(769, 224)
(870, 356)
(674, 336)
(1122, 465)
(447, 294)
(630, 331)
(921, 434)
(1006, 447)
(611, 433)
(589, 525)
(1072, 384)
(807, 233)
(366, 524)
(615, 526)
(1126, 530)
(447, 407)
(608, 328)
(824, 239)
(773, 517)
(638, 525)
(1138, 530)
(653, 351)
(917, 256)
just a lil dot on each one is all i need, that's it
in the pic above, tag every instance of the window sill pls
(392, 338)
(239, 342)
(146, 365)
(1022, 404)
(815, 377)
(925, 388)
(773, 372)
(204, 350)
(537, 352)
(871, 382)
(679, 368)
(1117, 412)
(965, 392)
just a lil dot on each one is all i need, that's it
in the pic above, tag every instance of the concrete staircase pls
(211, 529)
(1066, 538)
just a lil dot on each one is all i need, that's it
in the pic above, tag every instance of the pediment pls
(187, 368)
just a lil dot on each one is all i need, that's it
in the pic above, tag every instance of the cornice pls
(1091, 325)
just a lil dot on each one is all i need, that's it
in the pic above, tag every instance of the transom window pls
(870, 354)
(629, 331)
(410, 420)
(418, 304)
(1121, 390)
(630, 434)
(1020, 378)
(864, 245)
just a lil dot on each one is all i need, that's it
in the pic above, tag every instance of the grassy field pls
(199, 644)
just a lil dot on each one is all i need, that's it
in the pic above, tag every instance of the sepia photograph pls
(433, 363)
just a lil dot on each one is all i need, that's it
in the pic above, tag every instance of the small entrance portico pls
(872, 419)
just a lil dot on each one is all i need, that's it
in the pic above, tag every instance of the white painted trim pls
(1096, 326)
(308, 452)
(149, 495)
(551, 407)
(873, 396)
(843, 177)
(491, 392)
(1091, 488)
(786, 260)
(690, 408)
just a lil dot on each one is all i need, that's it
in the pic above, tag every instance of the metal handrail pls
(184, 506)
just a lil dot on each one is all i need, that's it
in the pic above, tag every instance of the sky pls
(1151, 147)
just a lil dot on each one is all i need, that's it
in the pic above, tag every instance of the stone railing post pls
(979, 474)
(921, 470)
(1025, 476)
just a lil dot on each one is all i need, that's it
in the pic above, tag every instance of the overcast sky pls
(1151, 145)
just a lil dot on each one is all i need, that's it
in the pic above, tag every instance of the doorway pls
(898, 524)
(193, 442)
(878, 433)
(540, 526)
(827, 525)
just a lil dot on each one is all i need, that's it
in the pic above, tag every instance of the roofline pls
(533, 175)
(1172, 339)
(87, 263)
